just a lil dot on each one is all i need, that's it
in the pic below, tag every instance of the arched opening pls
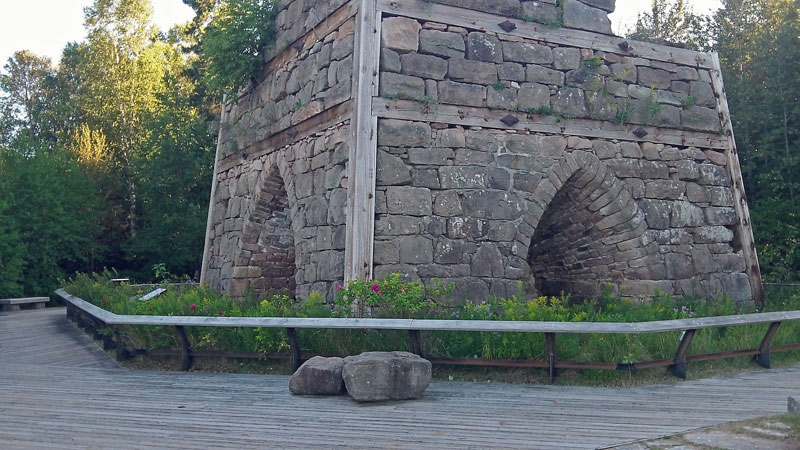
(589, 233)
(267, 257)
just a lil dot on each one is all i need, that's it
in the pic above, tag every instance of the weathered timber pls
(13, 304)
(294, 343)
(363, 153)
(678, 367)
(489, 118)
(550, 352)
(743, 226)
(763, 356)
(186, 349)
(467, 18)
(415, 338)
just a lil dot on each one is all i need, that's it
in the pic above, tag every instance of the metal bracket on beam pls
(294, 343)
(186, 349)
(550, 344)
(763, 358)
(678, 367)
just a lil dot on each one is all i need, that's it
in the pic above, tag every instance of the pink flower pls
(105, 299)
(374, 288)
(221, 313)
(339, 287)
(192, 306)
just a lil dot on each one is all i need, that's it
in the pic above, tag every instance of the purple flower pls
(192, 306)
(339, 287)
(374, 288)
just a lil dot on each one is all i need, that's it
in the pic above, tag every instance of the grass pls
(396, 298)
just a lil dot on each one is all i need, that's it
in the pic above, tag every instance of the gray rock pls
(528, 53)
(402, 133)
(410, 201)
(391, 170)
(570, 102)
(583, 17)
(400, 34)
(442, 43)
(484, 47)
(533, 96)
(605, 5)
(318, 376)
(505, 98)
(702, 94)
(702, 119)
(378, 376)
(655, 78)
(390, 61)
(793, 405)
(469, 71)
(467, 94)
(566, 58)
(541, 12)
(511, 72)
(539, 74)
(401, 86)
(424, 66)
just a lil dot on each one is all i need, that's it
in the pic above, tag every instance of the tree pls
(672, 22)
(25, 82)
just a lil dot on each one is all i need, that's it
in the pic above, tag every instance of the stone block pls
(701, 119)
(527, 53)
(442, 43)
(711, 175)
(570, 102)
(468, 71)
(433, 155)
(415, 250)
(566, 58)
(484, 47)
(655, 78)
(390, 61)
(505, 98)
(401, 86)
(400, 34)
(391, 170)
(685, 214)
(605, 5)
(583, 17)
(542, 12)
(793, 405)
(487, 262)
(702, 94)
(318, 376)
(511, 72)
(410, 201)
(539, 74)
(403, 133)
(378, 376)
(725, 216)
(423, 66)
(454, 93)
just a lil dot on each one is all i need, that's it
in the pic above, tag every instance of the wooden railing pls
(94, 319)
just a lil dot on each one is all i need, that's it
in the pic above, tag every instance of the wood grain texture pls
(467, 18)
(488, 118)
(660, 326)
(84, 402)
(744, 229)
(363, 146)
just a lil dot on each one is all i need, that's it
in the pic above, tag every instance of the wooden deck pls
(58, 390)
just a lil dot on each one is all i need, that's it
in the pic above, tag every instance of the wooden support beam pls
(294, 343)
(416, 342)
(363, 146)
(431, 11)
(678, 366)
(763, 358)
(587, 128)
(187, 359)
(744, 229)
(212, 202)
(550, 344)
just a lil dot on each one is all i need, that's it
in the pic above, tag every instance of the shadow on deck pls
(60, 390)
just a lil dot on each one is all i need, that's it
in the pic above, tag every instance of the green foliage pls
(672, 22)
(392, 297)
(48, 210)
(235, 41)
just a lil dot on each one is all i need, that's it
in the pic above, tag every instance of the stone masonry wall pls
(278, 213)
(492, 208)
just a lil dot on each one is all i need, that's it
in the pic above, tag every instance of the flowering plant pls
(392, 297)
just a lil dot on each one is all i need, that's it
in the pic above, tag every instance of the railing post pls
(678, 367)
(119, 345)
(550, 344)
(186, 349)
(416, 342)
(763, 358)
(294, 342)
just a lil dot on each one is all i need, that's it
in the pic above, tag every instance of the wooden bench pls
(13, 304)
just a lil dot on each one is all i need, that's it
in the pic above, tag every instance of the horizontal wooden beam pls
(660, 326)
(489, 118)
(321, 121)
(467, 18)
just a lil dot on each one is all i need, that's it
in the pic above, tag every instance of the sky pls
(46, 26)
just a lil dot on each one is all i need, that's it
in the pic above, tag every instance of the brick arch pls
(266, 255)
(587, 231)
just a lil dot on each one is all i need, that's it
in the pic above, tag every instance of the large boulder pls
(318, 376)
(377, 376)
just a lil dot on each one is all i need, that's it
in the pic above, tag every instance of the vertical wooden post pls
(363, 145)
(294, 343)
(550, 345)
(416, 342)
(763, 358)
(186, 350)
(678, 367)
(212, 201)
(744, 229)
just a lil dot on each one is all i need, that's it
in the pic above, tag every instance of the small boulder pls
(377, 376)
(794, 405)
(318, 376)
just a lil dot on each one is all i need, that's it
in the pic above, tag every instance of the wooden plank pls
(744, 229)
(322, 121)
(488, 118)
(467, 18)
(660, 326)
(212, 200)
(363, 149)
